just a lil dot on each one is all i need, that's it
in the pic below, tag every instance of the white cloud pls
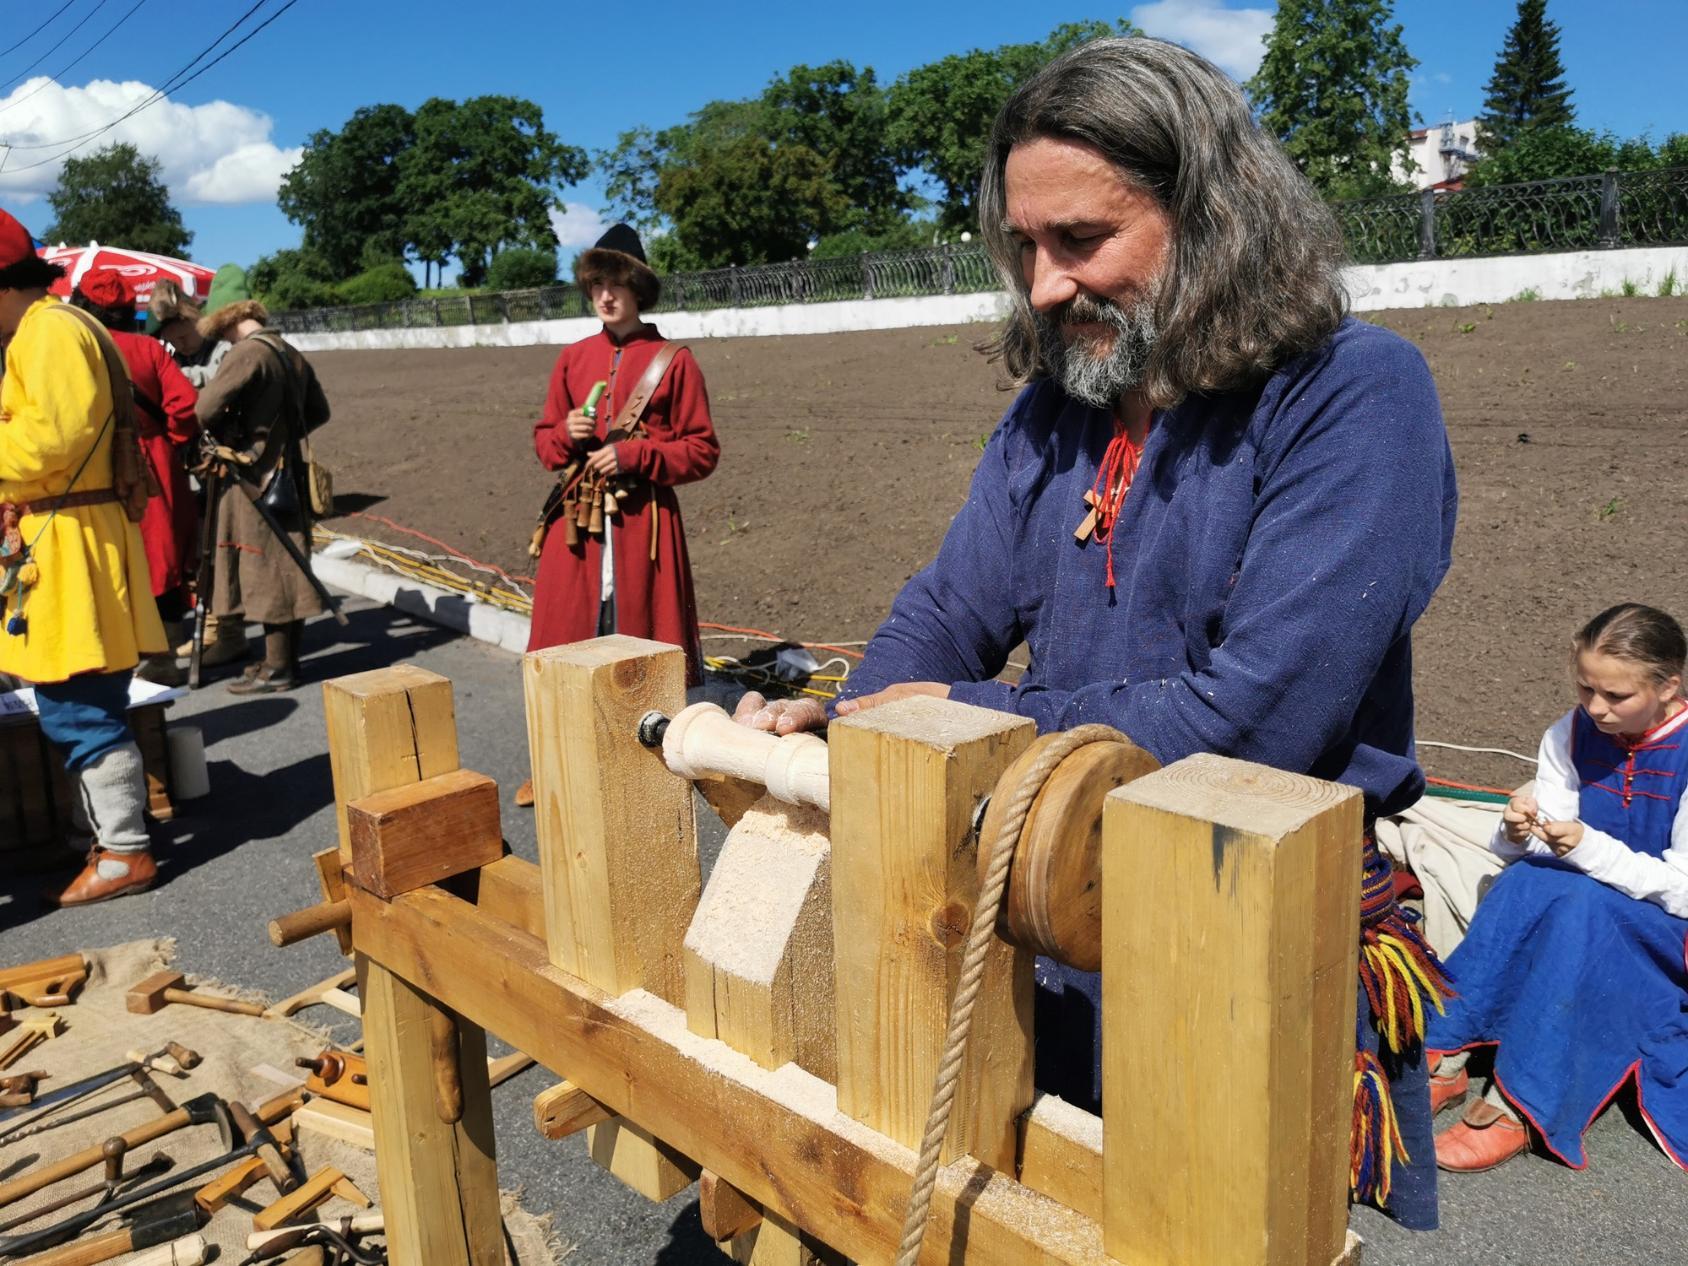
(1229, 38)
(577, 226)
(216, 152)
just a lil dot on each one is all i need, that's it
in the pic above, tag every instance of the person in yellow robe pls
(78, 606)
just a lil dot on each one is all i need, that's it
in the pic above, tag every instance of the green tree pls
(384, 283)
(939, 115)
(1527, 91)
(114, 196)
(745, 182)
(344, 191)
(293, 279)
(483, 174)
(522, 268)
(1333, 88)
(1546, 152)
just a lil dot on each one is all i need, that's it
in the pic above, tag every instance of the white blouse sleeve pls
(1558, 790)
(1661, 880)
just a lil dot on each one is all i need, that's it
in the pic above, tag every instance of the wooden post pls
(906, 780)
(439, 1180)
(1230, 929)
(386, 728)
(617, 847)
(617, 841)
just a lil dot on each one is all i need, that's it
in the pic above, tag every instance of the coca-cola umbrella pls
(141, 269)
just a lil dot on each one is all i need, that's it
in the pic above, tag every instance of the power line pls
(7, 52)
(59, 74)
(175, 82)
(63, 40)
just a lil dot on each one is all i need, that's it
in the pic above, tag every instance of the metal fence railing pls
(1613, 209)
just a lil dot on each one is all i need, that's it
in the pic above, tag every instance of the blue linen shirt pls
(1271, 558)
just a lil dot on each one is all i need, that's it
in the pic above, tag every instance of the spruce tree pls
(1333, 89)
(1528, 90)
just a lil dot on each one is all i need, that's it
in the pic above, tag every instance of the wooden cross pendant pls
(1089, 525)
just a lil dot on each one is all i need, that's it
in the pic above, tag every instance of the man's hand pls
(1519, 818)
(580, 426)
(780, 716)
(903, 690)
(603, 461)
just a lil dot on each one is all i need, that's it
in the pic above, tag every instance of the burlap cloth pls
(244, 1057)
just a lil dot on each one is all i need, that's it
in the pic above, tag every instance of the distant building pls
(1441, 154)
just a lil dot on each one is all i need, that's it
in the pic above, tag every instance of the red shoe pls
(1445, 1089)
(524, 795)
(1484, 1138)
(90, 886)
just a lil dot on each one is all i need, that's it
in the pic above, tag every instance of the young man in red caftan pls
(634, 576)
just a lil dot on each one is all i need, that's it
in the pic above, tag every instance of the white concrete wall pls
(1419, 283)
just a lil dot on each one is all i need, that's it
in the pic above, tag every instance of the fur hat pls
(168, 303)
(619, 259)
(216, 325)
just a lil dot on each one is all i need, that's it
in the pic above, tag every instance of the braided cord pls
(972, 973)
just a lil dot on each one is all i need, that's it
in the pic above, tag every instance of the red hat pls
(107, 288)
(16, 245)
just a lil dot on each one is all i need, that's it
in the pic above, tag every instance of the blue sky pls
(225, 137)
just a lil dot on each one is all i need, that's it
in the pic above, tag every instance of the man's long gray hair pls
(1253, 274)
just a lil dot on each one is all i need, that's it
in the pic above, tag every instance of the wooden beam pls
(617, 845)
(424, 832)
(1061, 1154)
(617, 841)
(906, 780)
(386, 728)
(331, 878)
(726, 1212)
(336, 1121)
(774, 1134)
(759, 951)
(1230, 925)
(566, 1109)
(439, 1180)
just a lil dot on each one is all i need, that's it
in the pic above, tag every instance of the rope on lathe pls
(972, 972)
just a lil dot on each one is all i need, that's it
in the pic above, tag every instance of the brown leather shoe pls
(1445, 1089)
(524, 795)
(266, 681)
(1484, 1138)
(90, 886)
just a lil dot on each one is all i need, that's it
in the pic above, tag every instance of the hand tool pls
(338, 1076)
(210, 1108)
(358, 1224)
(310, 997)
(159, 1164)
(18, 1090)
(205, 1110)
(162, 988)
(33, 1032)
(48, 983)
(49, 1104)
(190, 1250)
(158, 1223)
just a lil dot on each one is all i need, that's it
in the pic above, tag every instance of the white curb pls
(463, 613)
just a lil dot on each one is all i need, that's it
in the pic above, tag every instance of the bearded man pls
(1214, 512)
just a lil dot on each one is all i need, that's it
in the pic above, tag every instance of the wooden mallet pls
(160, 989)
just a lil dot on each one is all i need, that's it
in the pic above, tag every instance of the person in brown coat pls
(264, 400)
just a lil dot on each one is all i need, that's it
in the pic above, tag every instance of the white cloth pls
(1661, 880)
(606, 573)
(1445, 843)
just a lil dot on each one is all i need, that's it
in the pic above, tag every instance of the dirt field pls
(844, 457)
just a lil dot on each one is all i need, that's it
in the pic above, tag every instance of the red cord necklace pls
(1107, 496)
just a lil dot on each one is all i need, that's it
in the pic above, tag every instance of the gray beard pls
(1098, 378)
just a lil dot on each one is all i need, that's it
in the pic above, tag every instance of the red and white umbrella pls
(141, 269)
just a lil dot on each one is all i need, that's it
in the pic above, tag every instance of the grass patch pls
(1528, 295)
(1630, 287)
(1668, 285)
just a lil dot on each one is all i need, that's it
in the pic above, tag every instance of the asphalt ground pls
(231, 861)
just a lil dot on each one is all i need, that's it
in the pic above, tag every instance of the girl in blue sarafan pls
(1574, 968)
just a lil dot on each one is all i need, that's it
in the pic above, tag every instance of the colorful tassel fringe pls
(1375, 1145)
(1398, 972)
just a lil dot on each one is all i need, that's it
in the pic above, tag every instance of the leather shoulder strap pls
(628, 420)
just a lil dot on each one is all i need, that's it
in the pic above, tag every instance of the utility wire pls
(176, 82)
(60, 73)
(7, 52)
(155, 95)
(63, 40)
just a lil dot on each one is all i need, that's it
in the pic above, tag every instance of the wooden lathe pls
(775, 1036)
